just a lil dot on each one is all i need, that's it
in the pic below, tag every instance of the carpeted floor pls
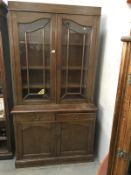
(7, 167)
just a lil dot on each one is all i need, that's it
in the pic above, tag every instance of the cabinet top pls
(53, 8)
(126, 39)
(3, 8)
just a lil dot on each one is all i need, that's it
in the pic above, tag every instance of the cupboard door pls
(77, 135)
(76, 57)
(33, 42)
(35, 136)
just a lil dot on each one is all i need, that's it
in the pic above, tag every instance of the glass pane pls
(35, 59)
(75, 53)
(1, 99)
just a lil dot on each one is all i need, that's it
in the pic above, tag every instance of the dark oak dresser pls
(53, 57)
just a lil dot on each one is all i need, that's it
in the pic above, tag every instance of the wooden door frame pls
(15, 18)
(93, 23)
(118, 106)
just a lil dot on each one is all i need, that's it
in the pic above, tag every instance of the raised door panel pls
(33, 43)
(38, 140)
(35, 139)
(76, 135)
(76, 57)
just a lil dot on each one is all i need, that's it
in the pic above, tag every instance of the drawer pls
(75, 116)
(32, 117)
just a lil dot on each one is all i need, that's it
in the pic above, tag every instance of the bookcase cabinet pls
(53, 56)
(6, 98)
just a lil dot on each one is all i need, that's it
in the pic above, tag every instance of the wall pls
(114, 24)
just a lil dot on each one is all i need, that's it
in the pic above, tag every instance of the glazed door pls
(120, 149)
(77, 37)
(34, 53)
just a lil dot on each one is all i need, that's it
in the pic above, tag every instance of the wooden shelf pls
(33, 43)
(3, 138)
(71, 85)
(63, 44)
(48, 68)
(72, 68)
(1, 95)
(40, 86)
(73, 44)
(2, 116)
(3, 149)
(35, 68)
(2, 119)
(35, 86)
